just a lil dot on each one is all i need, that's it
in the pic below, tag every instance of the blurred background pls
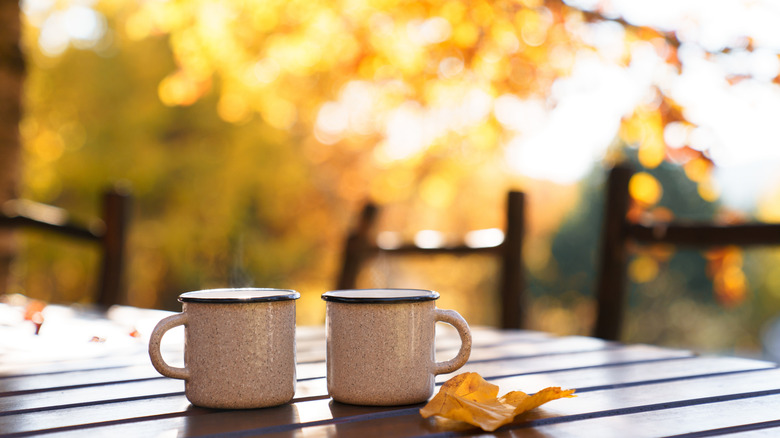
(252, 132)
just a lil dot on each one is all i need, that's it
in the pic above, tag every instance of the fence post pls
(116, 215)
(512, 274)
(611, 290)
(356, 248)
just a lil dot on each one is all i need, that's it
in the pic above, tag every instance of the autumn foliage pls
(252, 131)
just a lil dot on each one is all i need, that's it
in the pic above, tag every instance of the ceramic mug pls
(380, 345)
(239, 347)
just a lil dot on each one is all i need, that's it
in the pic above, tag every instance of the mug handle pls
(454, 319)
(154, 347)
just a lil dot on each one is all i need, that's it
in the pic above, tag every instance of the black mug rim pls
(380, 295)
(239, 295)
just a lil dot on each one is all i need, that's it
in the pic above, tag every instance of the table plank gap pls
(661, 391)
(764, 425)
(648, 408)
(666, 380)
(79, 386)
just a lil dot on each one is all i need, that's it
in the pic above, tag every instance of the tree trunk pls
(12, 69)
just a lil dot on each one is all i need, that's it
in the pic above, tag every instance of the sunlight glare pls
(78, 25)
(429, 239)
(84, 26)
(53, 38)
(518, 114)
(585, 120)
(487, 238)
(332, 121)
(760, 64)
(388, 240)
(362, 99)
(476, 106)
(37, 10)
(450, 67)
(677, 134)
(733, 123)
(581, 117)
(431, 31)
(405, 131)
(607, 37)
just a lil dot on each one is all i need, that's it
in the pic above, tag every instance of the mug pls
(239, 347)
(380, 345)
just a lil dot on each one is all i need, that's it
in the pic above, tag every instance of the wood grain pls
(622, 390)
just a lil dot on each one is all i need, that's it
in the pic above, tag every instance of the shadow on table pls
(203, 421)
(377, 420)
(407, 421)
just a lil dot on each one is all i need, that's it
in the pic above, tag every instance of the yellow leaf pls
(526, 402)
(469, 398)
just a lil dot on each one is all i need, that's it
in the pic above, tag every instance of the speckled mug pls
(239, 347)
(380, 345)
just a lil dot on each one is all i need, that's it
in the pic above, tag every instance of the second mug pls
(380, 345)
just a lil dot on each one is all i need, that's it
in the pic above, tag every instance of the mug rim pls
(380, 295)
(228, 295)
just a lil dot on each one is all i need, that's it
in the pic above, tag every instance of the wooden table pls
(85, 375)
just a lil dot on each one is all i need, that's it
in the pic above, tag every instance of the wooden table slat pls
(590, 379)
(649, 421)
(60, 384)
(313, 410)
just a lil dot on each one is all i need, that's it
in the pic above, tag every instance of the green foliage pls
(215, 203)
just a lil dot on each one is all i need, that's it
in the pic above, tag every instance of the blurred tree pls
(12, 69)
(576, 246)
(252, 130)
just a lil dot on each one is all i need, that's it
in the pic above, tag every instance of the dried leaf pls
(468, 397)
(34, 312)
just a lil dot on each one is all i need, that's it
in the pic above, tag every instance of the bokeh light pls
(255, 130)
(645, 189)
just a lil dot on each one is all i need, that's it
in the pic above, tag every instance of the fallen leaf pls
(34, 312)
(469, 398)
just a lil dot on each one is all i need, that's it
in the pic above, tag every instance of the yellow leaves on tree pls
(469, 398)
(645, 129)
(724, 266)
(645, 189)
